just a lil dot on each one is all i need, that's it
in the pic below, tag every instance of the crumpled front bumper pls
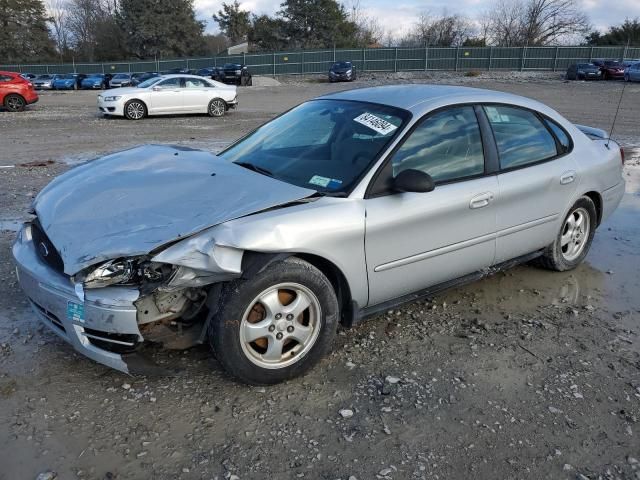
(109, 324)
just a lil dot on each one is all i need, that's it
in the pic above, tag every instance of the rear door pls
(416, 240)
(537, 179)
(166, 96)
(196, 95)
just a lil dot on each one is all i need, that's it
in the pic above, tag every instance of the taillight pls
(622, 154)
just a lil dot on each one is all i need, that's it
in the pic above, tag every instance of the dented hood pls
(132, 202)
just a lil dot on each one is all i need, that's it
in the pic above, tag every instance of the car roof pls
(419, 98)
(11, 74)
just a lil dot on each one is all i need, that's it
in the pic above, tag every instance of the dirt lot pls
(526, 374)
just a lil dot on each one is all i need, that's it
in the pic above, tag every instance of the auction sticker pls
(375, 123)
(75, 312)
(320, 181)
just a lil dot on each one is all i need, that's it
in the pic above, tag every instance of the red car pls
(612, 70)
(16, 92)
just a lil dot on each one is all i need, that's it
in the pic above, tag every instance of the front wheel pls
(276, 325)
(217, 107)
(135, 110)
(574, 238)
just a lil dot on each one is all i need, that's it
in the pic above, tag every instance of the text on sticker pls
(375, 123)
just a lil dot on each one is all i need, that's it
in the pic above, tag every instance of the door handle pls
(481, 200)
(567, 177)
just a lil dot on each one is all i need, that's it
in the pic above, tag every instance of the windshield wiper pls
(255, 168)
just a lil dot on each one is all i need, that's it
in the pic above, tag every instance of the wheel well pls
(597, 201)
(137, 100)
(13, 94)
(339, 282)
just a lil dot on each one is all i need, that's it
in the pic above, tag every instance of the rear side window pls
(446, 145)
(5, 78)
(520, 136)
(561, 135)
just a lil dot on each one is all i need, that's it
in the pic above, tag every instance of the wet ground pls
(525, 374)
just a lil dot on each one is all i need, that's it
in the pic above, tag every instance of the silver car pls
(342, 207)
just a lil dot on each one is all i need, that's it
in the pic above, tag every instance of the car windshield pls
(342, 65)
(586, 65)
(237, 66)
(613, 64)
(121, 76)
(66, 77)
(149, 82)
(96, 75)
(45, 77)
(326, 145)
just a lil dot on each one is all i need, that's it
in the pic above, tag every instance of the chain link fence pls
(365, 60)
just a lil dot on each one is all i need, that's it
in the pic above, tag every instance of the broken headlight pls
(110, 273)
(125, 272)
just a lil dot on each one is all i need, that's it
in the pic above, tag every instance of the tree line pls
(111, 30)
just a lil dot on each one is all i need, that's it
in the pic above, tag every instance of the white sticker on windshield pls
(320, 181)
(375, 123)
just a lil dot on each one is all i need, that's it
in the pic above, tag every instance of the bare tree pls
(442, 31)
(57, 10)
(534, 22)
(82, 20)
(369, 30)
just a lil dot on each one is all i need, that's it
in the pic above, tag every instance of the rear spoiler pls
(593, 133)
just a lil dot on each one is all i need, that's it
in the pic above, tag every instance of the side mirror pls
(411, 180)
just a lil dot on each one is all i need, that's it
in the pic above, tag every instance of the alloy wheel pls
(216, 108)
(14, 103)
(280, 326)
(575, 234)
(135, 110)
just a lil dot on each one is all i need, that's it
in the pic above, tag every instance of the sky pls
(403, 13)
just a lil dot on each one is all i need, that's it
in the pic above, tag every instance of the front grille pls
(113, 342)
(46, 251)
(55, 321)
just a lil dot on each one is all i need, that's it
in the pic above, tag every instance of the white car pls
(169, 95)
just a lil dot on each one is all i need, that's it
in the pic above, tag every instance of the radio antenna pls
(615, 117)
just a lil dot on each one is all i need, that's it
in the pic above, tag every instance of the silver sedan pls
(344, 206)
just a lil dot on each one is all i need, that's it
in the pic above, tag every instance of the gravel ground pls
(525, 374)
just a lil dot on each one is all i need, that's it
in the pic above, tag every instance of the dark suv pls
(237, 74)
(342, 71)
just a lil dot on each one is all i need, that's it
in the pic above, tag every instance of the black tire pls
(135, 110)
(249, 82)
(553, 257)
(217, 108)
(14, 103)
(236, 300)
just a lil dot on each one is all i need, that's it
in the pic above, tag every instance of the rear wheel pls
(217, 107)
(135, 110)
(276, 325)
(14, 103)
(574, 239)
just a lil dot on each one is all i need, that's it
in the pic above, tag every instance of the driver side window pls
(170, 83)
(447, 145)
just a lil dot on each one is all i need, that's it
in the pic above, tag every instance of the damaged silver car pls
(344, 206)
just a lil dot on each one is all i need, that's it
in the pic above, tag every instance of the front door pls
(417, 240)
(166, 96)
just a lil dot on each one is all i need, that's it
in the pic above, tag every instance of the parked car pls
(16, 92)
(632, 72)
(342, 71)
(214, 73)
(261, 250)
(237, 74)
(44, 82)
(612, 70)
(120, 80)
(69, 81)
(138, 78)
(583, 71)
(180, 70)
(28, 76)
(168, 95)
(96, 81)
